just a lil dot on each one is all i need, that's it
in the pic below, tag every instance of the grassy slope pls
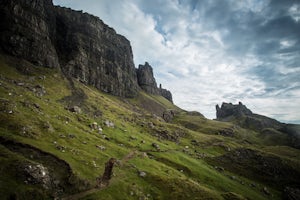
(174, 172)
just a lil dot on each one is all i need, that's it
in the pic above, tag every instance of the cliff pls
(78, 44)
(27, 29)
(93, 53)
(147, 82)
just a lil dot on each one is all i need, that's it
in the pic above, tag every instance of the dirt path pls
(77, 196)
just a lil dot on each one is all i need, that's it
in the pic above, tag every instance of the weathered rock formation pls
(165, 93)
(103, 181)
(239, 112)
(228, 109)
(146, 79)
(147, 82)
(244, 117)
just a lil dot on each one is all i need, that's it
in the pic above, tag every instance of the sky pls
(214, 51)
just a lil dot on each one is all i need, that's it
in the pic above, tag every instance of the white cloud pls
(294, 11)
(190, 55)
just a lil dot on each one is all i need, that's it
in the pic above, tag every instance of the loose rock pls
(142, 174)
(75, 109)
(155, 145)
(102, 148)
(109, 124)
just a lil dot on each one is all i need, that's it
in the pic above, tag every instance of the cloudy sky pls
(214, 51)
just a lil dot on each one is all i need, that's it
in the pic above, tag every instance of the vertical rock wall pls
(78, 44)
(25, 31)
(81, 45)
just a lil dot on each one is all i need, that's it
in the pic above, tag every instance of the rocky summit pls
(79, 121)
(244, 117)
(229, 110)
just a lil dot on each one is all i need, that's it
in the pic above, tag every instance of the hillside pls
(271, 131)
(79, 121)
(191, 157)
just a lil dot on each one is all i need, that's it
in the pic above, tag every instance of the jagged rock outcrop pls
(268, 127)
(147, 82)
(245, 117)
(146, 79)
(79, 44)
(165, 93)
(228, 109)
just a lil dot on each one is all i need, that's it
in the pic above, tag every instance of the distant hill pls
(270, 129)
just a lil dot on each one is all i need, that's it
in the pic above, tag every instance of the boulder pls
(142, 174)
(168, 115)
(75, 109)
(156, 146)
(109, 124)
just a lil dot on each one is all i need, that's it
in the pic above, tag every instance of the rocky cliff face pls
(147, 82)
(81, 45)
(78, 44)
(94, 53)
(26, 31)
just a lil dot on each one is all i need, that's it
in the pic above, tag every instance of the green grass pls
(44, 123)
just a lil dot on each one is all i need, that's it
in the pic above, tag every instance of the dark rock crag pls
(146, 79)
(78, 44)
(239, 112)
(245, 118)
(228, 109)
(147, 82)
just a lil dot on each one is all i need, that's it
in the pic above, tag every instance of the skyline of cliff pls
(216, 51)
